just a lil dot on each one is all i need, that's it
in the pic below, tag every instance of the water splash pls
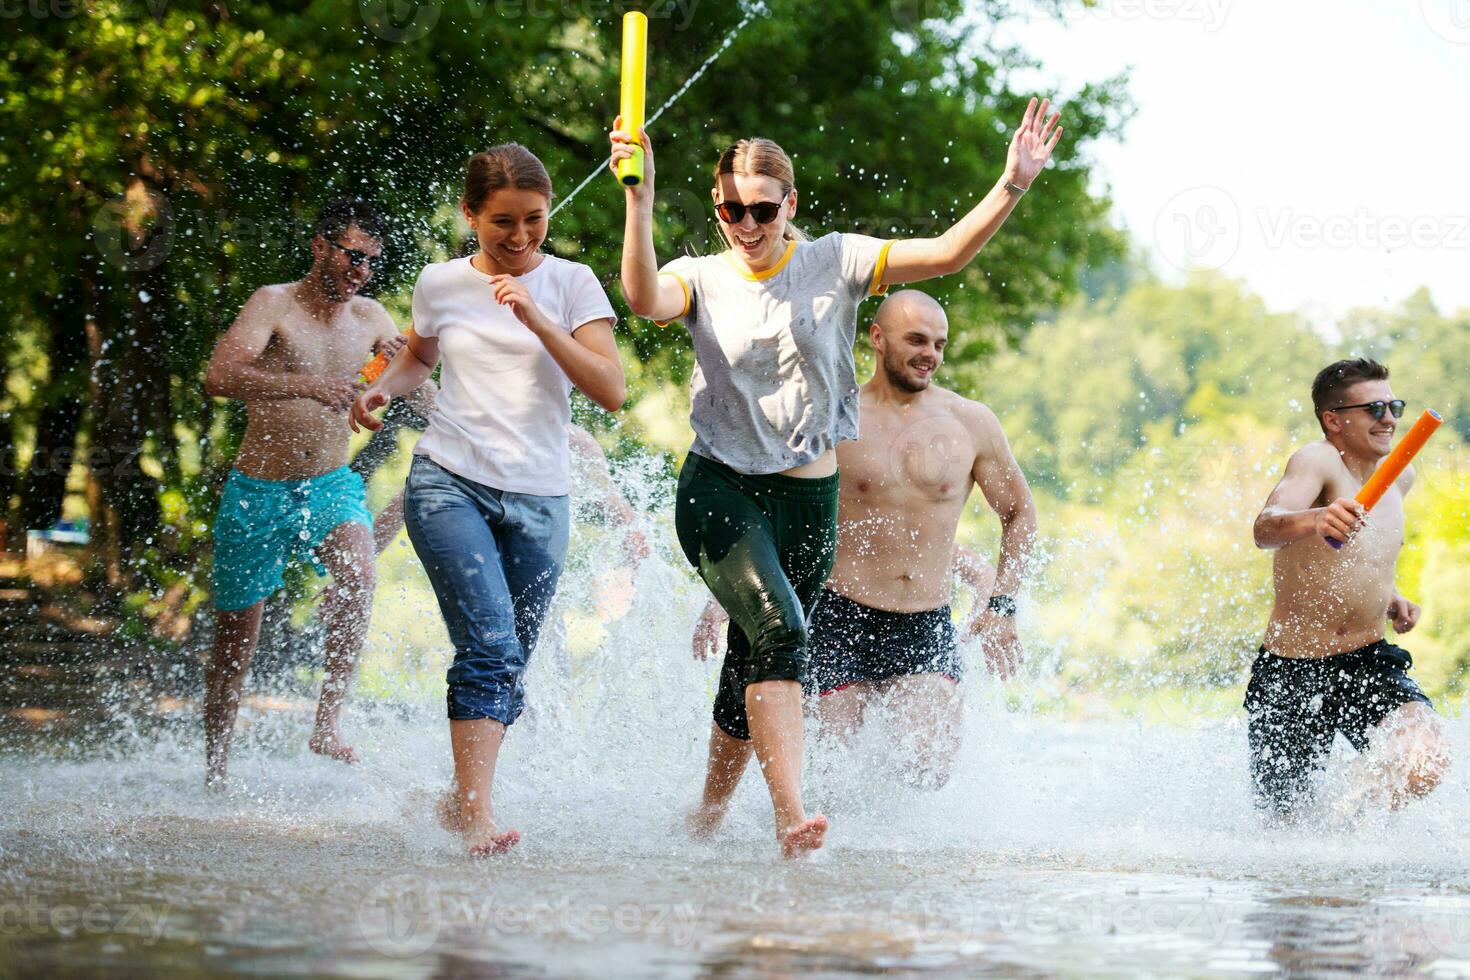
(754, 10)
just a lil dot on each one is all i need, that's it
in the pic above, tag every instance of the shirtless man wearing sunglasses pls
(293, 356)
(1325, 666)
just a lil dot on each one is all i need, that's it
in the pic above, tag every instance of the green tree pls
(160, 161)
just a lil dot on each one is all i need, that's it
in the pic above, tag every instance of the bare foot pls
(704, 820)
(330, 744)
(802, 839)
(493, 843)
(483, 837)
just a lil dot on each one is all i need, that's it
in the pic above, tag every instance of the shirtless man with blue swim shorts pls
(293, 356)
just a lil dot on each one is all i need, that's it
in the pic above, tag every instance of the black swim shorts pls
(1296, 706)
(851, 642)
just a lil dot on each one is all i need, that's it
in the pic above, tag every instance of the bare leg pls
(839, 714)
(235, 634)
(466, 809)
(348, 554)
(727, 760)
(774, 709)
(929, 708)
(1407, 757)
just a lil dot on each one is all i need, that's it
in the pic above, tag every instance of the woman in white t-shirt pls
(486, 501)
(773, 319)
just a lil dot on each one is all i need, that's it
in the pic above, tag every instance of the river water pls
(1069, 842)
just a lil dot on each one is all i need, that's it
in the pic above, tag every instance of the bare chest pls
(929, 459)
(301, 345)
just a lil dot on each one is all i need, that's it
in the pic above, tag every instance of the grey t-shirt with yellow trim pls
(774, 382)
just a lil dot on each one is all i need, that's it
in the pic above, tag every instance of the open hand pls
(1032, 143)
(998, 642)
(707, 631)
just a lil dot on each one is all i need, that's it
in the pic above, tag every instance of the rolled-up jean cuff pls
(472, 702)
(487, 683)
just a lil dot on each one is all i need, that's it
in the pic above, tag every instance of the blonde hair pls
(758, 157)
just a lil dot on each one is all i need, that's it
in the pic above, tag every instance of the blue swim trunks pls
(263, 525)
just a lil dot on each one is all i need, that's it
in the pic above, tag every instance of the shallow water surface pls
(1089, 848)
(1101, 847)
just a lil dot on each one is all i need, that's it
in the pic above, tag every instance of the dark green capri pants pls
(764, 545)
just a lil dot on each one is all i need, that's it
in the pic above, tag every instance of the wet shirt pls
(774, 383)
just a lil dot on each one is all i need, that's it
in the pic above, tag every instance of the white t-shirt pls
(504, 404)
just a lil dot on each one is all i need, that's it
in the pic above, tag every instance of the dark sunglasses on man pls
(355, 257)
(733, 212)
(1376, 409)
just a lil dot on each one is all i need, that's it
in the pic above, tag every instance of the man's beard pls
(896, 377)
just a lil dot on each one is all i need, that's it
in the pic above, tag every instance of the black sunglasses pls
(733, 212)
(355, 258)
(1376, 409)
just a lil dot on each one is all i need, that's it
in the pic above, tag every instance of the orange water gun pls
(1393, 464)
(374, 368)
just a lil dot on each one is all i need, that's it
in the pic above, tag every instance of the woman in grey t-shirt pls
(773, 320)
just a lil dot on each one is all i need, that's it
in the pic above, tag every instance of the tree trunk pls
(44, 488)
(14, 533)
(131, 384)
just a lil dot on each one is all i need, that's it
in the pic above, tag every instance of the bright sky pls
(1315, 149)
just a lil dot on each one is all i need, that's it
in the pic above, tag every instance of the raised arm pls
(649, 295)
(1291, 513)
(234, 373)
(913, 259)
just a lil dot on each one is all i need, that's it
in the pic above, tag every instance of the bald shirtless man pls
(882, 628)
(1325, 666)
(293, 356)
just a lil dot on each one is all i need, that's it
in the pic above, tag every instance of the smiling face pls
(758, 245)
(1354, 429)
(510, 227)
(909, 335)
(333, 262)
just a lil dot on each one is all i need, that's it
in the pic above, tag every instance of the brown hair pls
(757, 157)
(503, 165)
(1337, 377)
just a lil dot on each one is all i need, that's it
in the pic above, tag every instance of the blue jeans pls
(493, 558)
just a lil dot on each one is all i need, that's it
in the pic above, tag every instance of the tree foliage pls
(161, 160)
